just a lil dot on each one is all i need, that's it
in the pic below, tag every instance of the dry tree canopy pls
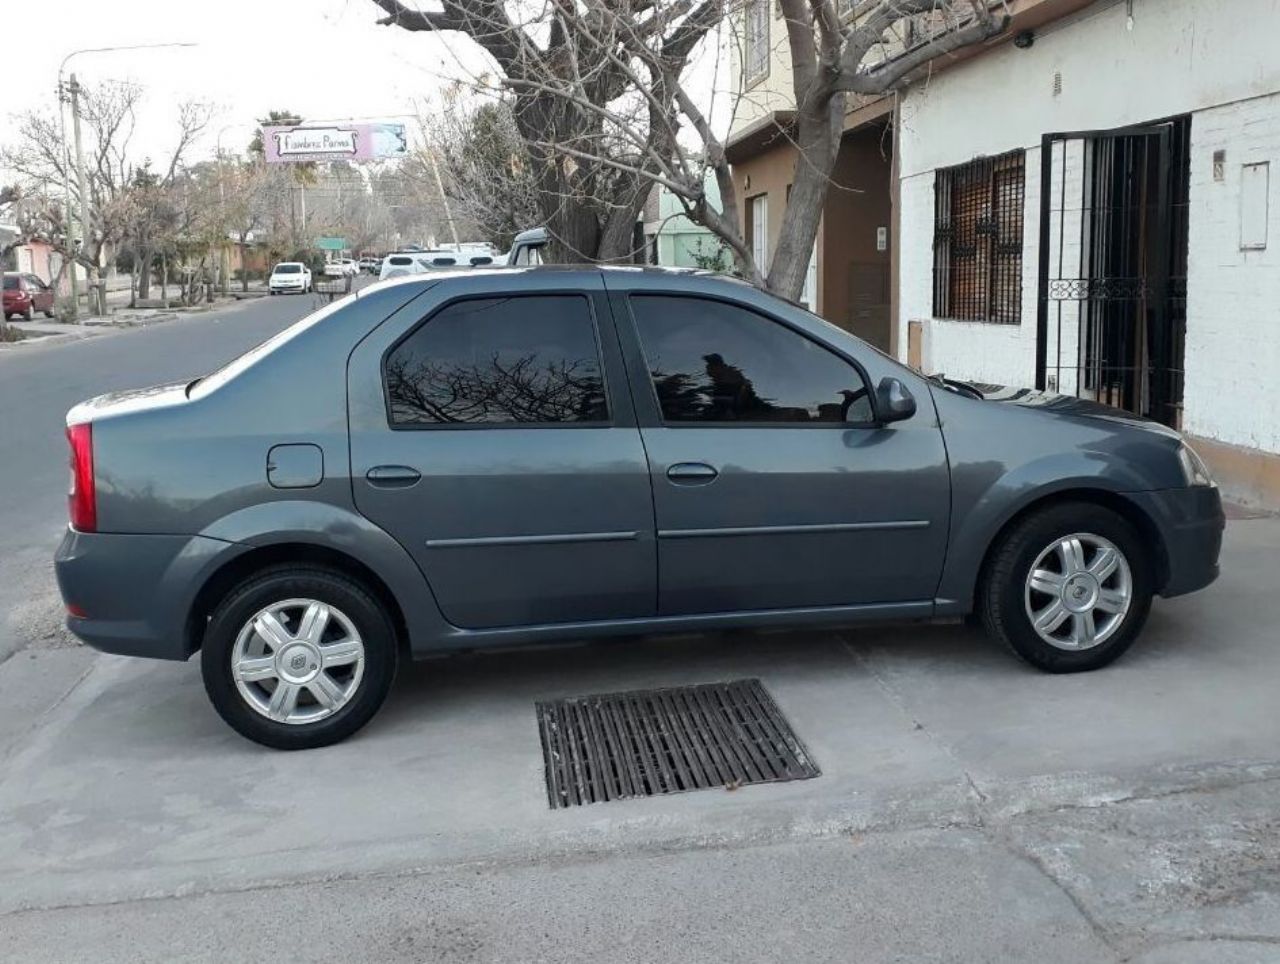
(603, 96)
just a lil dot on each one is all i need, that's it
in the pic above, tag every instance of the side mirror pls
(894, 401)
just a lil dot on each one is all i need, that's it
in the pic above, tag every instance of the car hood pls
(127, 403)
(1053, 403)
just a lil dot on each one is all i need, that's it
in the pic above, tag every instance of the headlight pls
(1193, 468)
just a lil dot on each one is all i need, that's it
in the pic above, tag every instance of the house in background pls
(1082, 204)
(849, 279)
(1107, 229)
(671, 239)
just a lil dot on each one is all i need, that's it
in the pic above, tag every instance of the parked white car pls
(341, 268)
(418, 262)
(289, 276)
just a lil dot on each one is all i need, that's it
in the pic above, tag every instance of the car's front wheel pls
(298, 658)
(1068, 588)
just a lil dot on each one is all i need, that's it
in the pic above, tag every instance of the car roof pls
(637, 276)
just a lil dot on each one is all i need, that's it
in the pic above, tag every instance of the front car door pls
(773, 486)
(492, 434)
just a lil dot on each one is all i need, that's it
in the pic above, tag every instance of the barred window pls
(977, 240)
(756, 62)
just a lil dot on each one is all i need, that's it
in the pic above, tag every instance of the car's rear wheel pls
(29, 314)
(298, 658)
(1068, 588)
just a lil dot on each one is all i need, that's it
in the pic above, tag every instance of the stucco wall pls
(1181, 56)
(1233, 295)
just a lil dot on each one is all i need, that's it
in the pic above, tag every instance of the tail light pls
(82, 500)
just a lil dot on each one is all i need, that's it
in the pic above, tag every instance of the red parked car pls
(25, 294)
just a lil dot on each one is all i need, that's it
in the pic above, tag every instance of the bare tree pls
(245, 201)
(572, 66)
(485, 166)
(609, 89)
(112, 168)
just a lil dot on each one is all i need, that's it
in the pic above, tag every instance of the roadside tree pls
(602, 96)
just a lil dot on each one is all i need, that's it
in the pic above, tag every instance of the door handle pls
(691, 473)
(393, 476)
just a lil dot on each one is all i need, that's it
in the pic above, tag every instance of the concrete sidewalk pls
(969, 807)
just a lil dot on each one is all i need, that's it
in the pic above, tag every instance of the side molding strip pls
(792, 530)
(555, 538)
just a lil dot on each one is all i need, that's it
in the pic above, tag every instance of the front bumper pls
(135, 591)
(1190, 522)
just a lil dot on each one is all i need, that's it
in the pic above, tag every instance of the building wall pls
(1233, 295)
(768, 173)
(1091, 72)
(771, 92)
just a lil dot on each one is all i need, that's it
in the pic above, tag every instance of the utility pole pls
(448, 216)
(66, 193)
(85, 226)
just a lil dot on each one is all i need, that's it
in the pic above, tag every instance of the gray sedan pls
(495, 457)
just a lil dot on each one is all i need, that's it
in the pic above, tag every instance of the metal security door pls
(1111, 320)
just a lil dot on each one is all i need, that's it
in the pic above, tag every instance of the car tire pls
(49, 313)
(1079, 570)
(324, 703)
(29, 314)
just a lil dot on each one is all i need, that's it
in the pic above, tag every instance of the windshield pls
(288, 269)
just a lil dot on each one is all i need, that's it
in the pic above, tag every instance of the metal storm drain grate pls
(648, 742)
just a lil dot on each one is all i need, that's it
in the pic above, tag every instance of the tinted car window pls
(529, 359)
(715, 362)
(10, 283)
(288, 269)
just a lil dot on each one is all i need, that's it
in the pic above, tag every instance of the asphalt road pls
(38, 383)
(969, 809)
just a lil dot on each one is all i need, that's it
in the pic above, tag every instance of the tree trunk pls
(818, 144)
(144, 273)
(617, 241)
(164, 277)
(244, 265)
(573, 224)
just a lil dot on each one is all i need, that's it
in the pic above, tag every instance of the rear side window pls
(530, 360)
(716, 362)
(10, 283)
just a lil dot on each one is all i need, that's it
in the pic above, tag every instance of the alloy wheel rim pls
(1078, 591)
(298, 661)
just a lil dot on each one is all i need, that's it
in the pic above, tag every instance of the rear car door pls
(41, 294)
(773, 487)
(492, 434)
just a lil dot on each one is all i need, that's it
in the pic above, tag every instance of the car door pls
(492, 434)
(773, 486)
(41, 294)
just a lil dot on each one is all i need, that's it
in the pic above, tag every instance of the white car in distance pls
(289, 276)
(341, 268)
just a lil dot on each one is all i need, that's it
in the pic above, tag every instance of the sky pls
(323, 59)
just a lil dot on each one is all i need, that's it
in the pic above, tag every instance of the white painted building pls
(1136, 258)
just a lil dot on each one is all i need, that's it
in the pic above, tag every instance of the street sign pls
(331, 244)
(336, 142)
